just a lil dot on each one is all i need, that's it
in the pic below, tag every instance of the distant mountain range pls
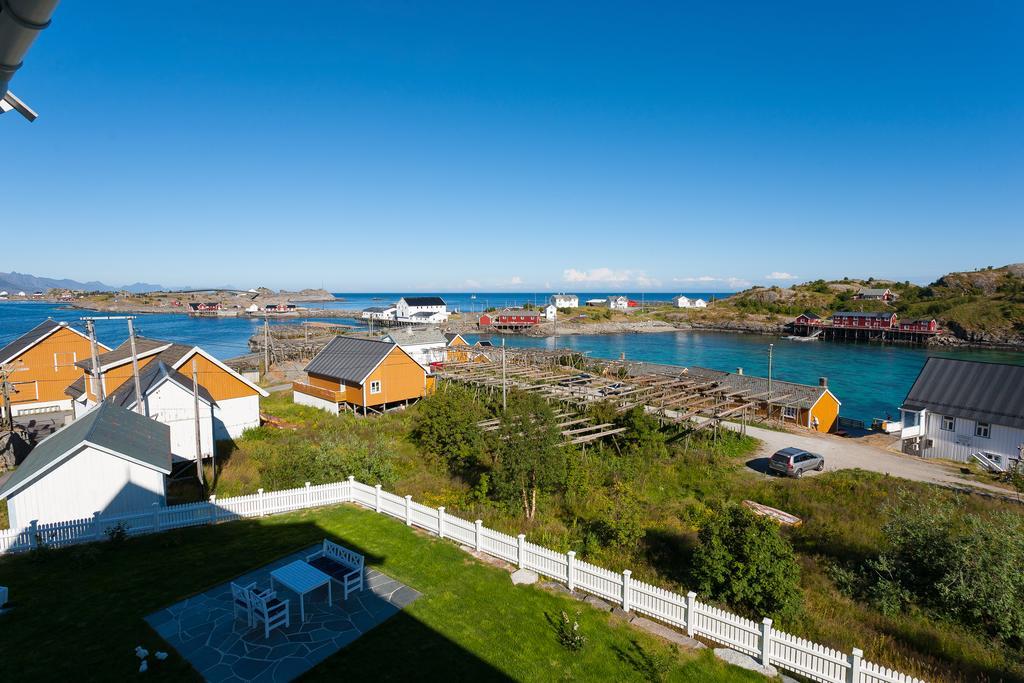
(16, 282)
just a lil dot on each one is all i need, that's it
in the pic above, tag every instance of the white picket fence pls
(758, 639)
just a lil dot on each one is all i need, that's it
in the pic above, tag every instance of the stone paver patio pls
(222, 647)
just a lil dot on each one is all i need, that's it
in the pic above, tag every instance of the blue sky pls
(489, 146)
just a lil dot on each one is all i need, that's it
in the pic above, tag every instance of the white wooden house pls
(168, 398)
(618, 303)
(565, 300)
(698, 303)
(550, 312)
(109, 461)
(421, 309)
(958, 408)
(681, 301)
(426, 346)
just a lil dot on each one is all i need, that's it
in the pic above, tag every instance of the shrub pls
(530, 457)
(743, 560)
(117, 534)
(621, 520)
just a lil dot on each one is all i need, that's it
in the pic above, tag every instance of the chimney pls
(739, 371)
(823, 382)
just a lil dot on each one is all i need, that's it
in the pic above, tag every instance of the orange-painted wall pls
(43, 372)
(401, 379)
(221, 385)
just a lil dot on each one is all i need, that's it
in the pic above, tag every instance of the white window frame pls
(983, 430)
(375, 383)
(790, 412)
(952, 423)
(56, 363)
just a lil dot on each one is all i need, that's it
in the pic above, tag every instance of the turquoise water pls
(870, 380)
(223, 337)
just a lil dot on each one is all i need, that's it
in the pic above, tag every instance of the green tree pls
(621, 522)
(643, 435)
(529, 458)
(743, 560)
(446, 426)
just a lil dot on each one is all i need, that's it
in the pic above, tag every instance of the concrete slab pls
(524, 577)
(662, 631)
(745, 662)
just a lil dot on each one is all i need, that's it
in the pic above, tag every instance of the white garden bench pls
(341, 564)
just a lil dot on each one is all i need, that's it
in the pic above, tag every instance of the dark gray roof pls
(413, 337)
(810, 315)
(349, 359)
(143, 345)
(424, 300)
(865, 314)
(377, 309)
(872, 291)
(150, 377)
(450, 336)
(109, 426)
(29, 339)
(984, 392)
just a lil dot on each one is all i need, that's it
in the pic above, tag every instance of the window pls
(948, 423)
(375, 386)
(64, 359)
(789, 412)
(982, 429)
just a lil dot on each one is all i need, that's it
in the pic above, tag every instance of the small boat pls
(795, 338)
(779, 516)
(472, 296)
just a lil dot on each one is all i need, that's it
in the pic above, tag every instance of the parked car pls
(793, 462)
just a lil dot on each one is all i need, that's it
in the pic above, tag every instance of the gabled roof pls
(423, 300)
(150, 378)
(810, 316)
(984, 392)
(33, 337)
(350, 359)
(108, 427)
(413, 337)
(874, 292)
(865, 314)
(452, 336)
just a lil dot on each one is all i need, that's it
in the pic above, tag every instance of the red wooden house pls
(517, 317)
(210, 307)
(808, 318)
(922, 325)
(864, 320)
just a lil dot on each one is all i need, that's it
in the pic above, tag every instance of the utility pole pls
(135, 369)
(199, 440)
(97, 386)
(266, 346)
(504, 403)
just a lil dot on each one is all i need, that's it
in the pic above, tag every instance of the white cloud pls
(516, 280)
(776, 275)
(608, 276)
(473, 284)
(732, 283)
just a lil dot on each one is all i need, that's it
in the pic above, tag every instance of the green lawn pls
(79, 611)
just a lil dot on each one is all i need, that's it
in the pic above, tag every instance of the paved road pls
(844, 454)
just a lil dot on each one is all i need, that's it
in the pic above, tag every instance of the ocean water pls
(222, 337)
(871, 380)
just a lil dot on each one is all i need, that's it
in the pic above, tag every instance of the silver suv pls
(793, 462)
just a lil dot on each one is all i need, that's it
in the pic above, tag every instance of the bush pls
(963, 565)
(743, 560)
(568, 632)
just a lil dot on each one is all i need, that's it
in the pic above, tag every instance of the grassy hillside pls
(980, 306)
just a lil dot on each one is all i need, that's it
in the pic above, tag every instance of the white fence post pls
(625, 589)
(97, 532)
(33, 542)
(571, 569)
(213, 509)
(408, 510)
(440, 521)
(351, 489)
(522, 551)
(156, 517)
(309, 496)
(853, 674)
(691, 613)
(479, 532)
(260, 492)
(766, 641)
(376, 503)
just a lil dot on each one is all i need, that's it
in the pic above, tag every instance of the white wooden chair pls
(341, 564)
(241, 599)
(269, 610)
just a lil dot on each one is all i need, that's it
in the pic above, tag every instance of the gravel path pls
(843, 454)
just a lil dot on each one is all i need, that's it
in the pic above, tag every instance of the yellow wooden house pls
(362, 375)
(41, 363)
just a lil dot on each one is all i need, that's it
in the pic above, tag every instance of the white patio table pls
(302, 578)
